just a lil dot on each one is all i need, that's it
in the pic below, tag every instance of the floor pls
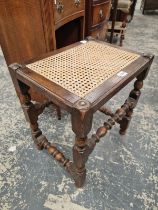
(122, 171)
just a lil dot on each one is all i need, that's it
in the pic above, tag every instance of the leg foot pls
(79, 176)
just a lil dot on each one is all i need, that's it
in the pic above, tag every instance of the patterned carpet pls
(122, 171)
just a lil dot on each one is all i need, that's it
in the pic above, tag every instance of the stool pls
(80, 79)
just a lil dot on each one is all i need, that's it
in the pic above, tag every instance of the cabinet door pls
(22, 35)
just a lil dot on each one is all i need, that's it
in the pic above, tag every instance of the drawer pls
(65, 9)
(101, 12)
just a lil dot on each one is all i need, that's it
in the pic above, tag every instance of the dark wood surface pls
(25, 30)
(22, 35)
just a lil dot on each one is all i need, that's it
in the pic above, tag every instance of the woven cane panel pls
(83, 68)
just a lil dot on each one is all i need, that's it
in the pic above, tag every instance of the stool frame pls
(81, 110)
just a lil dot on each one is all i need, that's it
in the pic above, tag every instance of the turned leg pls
(31, 111)
(79, 161)
(58, 110)
(122, 36)
(134, 94)
(81, 125)
(124, 124)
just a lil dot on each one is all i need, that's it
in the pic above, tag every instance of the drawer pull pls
(60, 7)
(101, 14)
(77, 3)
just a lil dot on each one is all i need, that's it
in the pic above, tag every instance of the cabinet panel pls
(17, 19)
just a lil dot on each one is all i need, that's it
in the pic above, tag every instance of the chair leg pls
(125, 122)
(79, 161)
(122, 36)
(58, 112)
(81, 125)
(57, 109)
(135, 94)
(32, 111)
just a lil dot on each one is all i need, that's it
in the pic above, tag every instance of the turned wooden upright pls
(94, 72)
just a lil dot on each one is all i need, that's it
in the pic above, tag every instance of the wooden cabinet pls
(149, 5)
(29, 28)
(97, 18)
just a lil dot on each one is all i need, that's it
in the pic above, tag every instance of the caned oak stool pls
(80, 79)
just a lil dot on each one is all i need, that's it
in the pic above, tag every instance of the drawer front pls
(64, 8)
(100, 12)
